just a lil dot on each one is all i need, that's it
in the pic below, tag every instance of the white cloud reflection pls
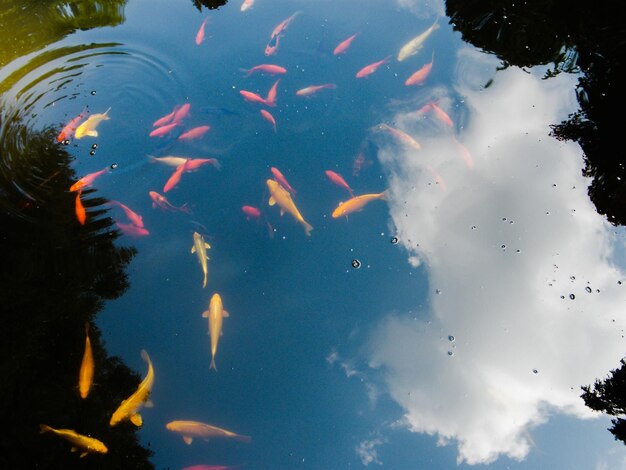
(506, 243)
(367, 452)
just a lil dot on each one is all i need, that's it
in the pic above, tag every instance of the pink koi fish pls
(371, 68)
(268, 117)
(419, 77)
(87, 180)
(343, 46)
(282, 180)
(194, 133)
(200, 33)
(307, 91)
(270, 69)
(339, 181)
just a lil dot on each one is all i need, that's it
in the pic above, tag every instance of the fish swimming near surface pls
(135, 218)
(181, 113)
(164, 130)
(68, 131)
(88, 180)
(194, 133)
(419, 77)
(132, 230)
(282, 26)
(215, 314)
(88, 128)
(253, 97)
(199, 248)
(401, 135)
(339, 181)
(270, 69)
(85, 375)
(268, 117)
(282, 180)
(191, 429)
(280, 196)
(415, 44)
(371, 68)
(247, 4)
(343, 46)
(200, 33)
(174, 179)
(270, 99)
(272, 46)
(81, 213)
(356, 204)
(129, 409)
(192, 163)
(88, 445)
(165, 119)
(160, 201)
(251, 212)
(307, 91)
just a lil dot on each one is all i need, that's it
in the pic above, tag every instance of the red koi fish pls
(181, 113)
(270, 99)
(194, 133)
(162, 203)
(161, 131)
(419, 77)
(270, 69)
(132, 230)
(282, 180)
(401, 135)
(81, 213)
(200, 33)
(87, 180)
(339, 181)
(268, 117)
(68, 131)
(314, 88)
(253, 97)
(195, 163)
(343, 46)
(441, 115)
(135, 218)
(272, 46)
(165, 119)
(251, 212)
(175, 178)
(282, 26)
(371, 68)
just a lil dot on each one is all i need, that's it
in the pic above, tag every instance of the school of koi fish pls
(281, 194)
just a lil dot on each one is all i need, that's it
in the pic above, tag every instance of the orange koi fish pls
(86, 444)
(419, 77)
(68, 131)
(266, 68)
(282, 180)
(441, 115)
(467, 156)
(194, 133)
(135, 218)
(253, 97)
(270, 99)
(370, 69)
(356, 204)
(215, 314)
(401, 135)
(195, 163)
(343, 46)
(246, 4)
(132, 230)
(175, 178)
(81, 213)
(87, 180)
(200, 33)
(165, 119)
(282, 26)
(85, 375)
(314, 88)
(164, 204)
(191, 429)
(181, 113)
(272, 46)
(268, 117)
(251, 212)
(166, 129)
(339, 181)
(280, 196)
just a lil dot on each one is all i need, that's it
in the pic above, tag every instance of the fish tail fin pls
(185, 208)
(217, 164)
(241, 438)
(307, 228)
(144, 356)
(151, 157)
(384, 195)
(212, 365)
(44, 428)
(248, 72)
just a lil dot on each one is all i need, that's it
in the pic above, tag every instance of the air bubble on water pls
(588, 289)
(438, 291)
(503, 219)
(92, 152)
(573, 278)
(356, 264)
(572, 296)
(113, 166)
(451, 338)
(94, 146)
(535, 371)
(562, 296)
(450, 353)
(394, 240)
(518, 251)
(93, 92)
(66, 142)
(503, 247)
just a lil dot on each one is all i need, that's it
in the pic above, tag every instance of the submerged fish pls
(266, 68)
(194, 133)
(420, 76)
(314, 88)
(87, 180)
(401, 135)
(253, 97)
(246, 5)
(251, 212)
(215, 314)
(344, 45)
(268, 117)
(85, 375)
(191, 429)
(200, 33)
(87, 444)
(339, 181)
(281, 196)
(415, 44)
(81, 213)
(89, 126)
(282, 180)
(356, 203)
(163, 130)
(135, 218)
(69, 129)
(129, 409)
(161, 202)
(371, 68)
(270, 99)
(199, 247)
(132, 229)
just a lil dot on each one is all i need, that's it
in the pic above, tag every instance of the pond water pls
(448, 318)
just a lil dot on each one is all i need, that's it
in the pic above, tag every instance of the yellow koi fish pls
(89, 126)
(85, 376)
(199, 247)
(416, 43)
(191, 429)
(356, 203)
(129, 409)
(215, 314)
(280, 196)
(78, 441)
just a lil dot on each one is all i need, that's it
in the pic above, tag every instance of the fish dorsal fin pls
(193, 249)
(188, 440)
(136, 419)
(205, 314)
(225, 314)
(271, 201)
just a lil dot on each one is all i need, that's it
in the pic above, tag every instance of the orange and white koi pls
(356, 204)
(247, 4)
(268, 117)
(415, 44)
(401, 135)
(280, 196)
(337, 179)
(194, 133)
(343, 46)
(270, 69)
(215, 314)
(87, 180)
(419, 77)
(162, 203)
(200, 33)
(371, 68)
(88, 128)
(129, 408)
(272, 46)
(282, 180)
(85, 374)
(192, 163)
(68, 131)
(191, 429)
(86, 444)
(314, 88)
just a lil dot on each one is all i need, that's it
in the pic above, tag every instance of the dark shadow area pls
(571, 36)
(208, 4)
